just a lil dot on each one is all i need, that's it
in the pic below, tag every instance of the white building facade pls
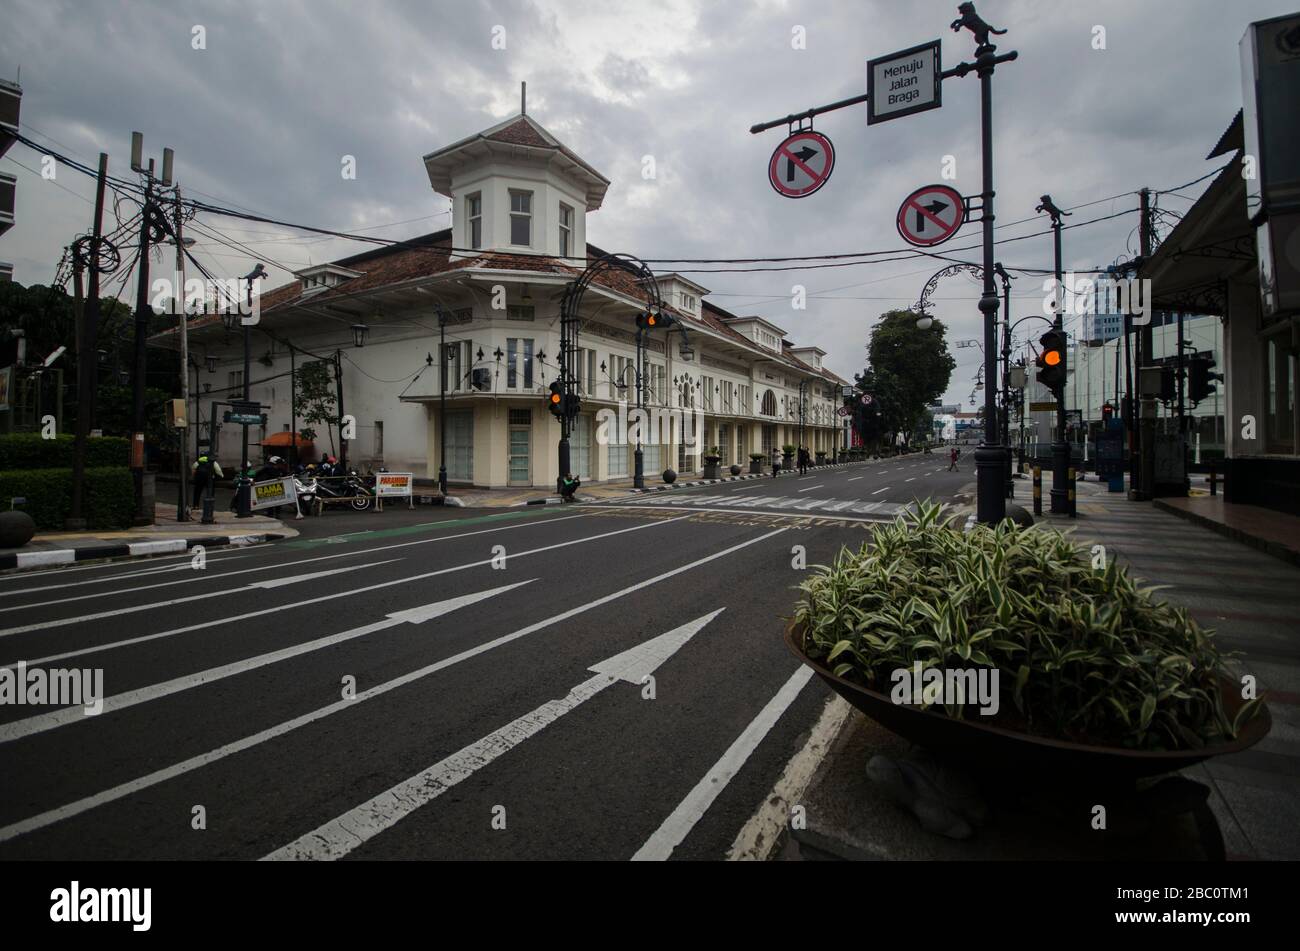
(491, 286)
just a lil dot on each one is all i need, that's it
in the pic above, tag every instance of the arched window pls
(769, 404)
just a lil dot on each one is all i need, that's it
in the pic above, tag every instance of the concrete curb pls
(63, 556)
(738, 478)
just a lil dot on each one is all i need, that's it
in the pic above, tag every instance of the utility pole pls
(87, 338)
(150, 231)
(182, 510)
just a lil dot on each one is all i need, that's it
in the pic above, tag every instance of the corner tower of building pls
(515, 188)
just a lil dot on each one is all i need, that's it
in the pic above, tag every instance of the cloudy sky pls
(261, 118)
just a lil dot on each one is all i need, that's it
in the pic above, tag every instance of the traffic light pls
(572, 405)
(1051, 362)
(555, 399)
(1200, 381)
(649, 320)
(1168, 384)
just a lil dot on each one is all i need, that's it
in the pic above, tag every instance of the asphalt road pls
(597, 681)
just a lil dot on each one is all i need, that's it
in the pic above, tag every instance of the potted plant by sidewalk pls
(711, 460)
(821, 457)
(756, 463)
(787, 456)
(1093, 679)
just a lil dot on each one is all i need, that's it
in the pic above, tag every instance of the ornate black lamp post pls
(570, 307)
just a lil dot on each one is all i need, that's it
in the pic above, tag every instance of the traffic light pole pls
(1006, 375)
(1060, 494)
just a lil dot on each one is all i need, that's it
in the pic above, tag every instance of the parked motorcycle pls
(351, 490)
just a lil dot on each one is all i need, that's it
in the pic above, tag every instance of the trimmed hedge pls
(108, 502)
(30, 451)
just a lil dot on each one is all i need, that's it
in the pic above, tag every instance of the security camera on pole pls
(1053, 372)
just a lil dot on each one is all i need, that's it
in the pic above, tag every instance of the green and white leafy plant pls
(1087, 653)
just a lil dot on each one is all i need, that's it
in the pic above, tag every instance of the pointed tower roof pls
(518, 136)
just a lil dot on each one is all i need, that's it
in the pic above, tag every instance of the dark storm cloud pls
(263, 117)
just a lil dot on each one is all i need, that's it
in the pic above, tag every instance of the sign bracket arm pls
(790, 120)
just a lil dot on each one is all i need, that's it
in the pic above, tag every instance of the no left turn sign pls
(931, 215)
(801, 164)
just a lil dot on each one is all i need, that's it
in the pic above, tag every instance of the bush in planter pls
(109, 500)
(756, 462)
(1087, 656)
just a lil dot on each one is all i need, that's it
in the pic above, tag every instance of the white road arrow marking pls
(133, 786)
(247, 615)
(65, 715)
(339, 836)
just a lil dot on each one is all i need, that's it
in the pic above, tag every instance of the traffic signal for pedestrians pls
(1107, 411)
(1051, 362)
(1200, 381)
(555, 399)
(572, 405)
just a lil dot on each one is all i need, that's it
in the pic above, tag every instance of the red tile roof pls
(431, 254)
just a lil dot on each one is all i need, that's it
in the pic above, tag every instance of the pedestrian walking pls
(803, 460)
(776, 463)
(953, 455)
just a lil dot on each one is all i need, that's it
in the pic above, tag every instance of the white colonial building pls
(518, 236)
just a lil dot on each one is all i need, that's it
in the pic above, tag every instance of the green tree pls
(908, 368)
(314, 399)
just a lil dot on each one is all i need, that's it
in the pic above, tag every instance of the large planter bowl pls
(987, 747)
(16, 529)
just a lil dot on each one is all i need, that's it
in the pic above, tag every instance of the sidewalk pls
(1246, 595)
(617, 488)
(165, 536)
(1276, 533)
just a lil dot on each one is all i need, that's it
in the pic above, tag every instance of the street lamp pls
(359, 332)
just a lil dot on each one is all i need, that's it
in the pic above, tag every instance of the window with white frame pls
(474, 215)
(521, 218)
(566, 230)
